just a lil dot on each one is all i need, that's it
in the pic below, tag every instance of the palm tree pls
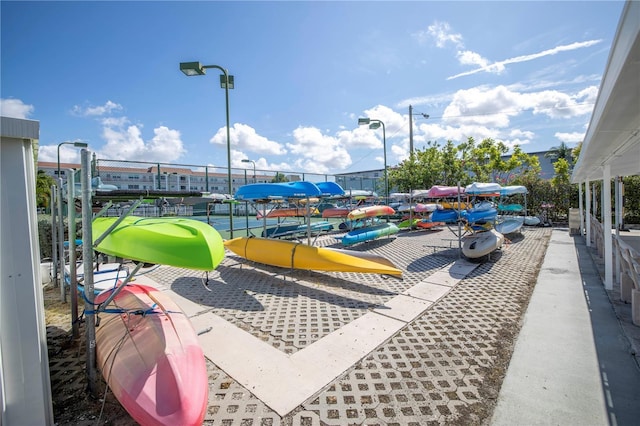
(560, 151)
(43, 189)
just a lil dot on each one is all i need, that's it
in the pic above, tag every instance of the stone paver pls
(444, 365)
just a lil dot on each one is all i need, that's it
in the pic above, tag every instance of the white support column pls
(587, 197)
(25, 383)
(581, 208)
(617, 180)
(606, 223)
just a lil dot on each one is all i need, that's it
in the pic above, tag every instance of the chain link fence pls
(138, 175)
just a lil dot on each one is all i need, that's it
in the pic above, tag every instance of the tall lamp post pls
(246, 160)
(374, 124)
(246, 203)
(76, 144)
(226, 82)
(59, 262)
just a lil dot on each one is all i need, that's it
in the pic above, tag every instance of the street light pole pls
(246, 160)
(374, 124)
(246, 203)
(59, 274)
(76, 144)
(226, 82)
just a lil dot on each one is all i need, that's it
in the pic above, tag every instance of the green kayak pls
(184, 243)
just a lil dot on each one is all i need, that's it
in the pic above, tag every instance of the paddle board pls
(482, 243)
(106, 276)
(509, 226)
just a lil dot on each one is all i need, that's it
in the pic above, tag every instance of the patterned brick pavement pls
(445, 367)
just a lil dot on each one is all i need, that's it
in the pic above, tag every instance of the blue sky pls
(107, 73)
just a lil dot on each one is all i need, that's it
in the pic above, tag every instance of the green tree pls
(43, 189)
(561, 151)
(485, 161)
(279, 177)
(407, 175)
(562, 187)
(631, 199)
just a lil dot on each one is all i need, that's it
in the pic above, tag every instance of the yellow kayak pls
(294, 255)
(455, 205)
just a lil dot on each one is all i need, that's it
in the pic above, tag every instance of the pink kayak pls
(439, 191)
(150, 357)
(371, 211)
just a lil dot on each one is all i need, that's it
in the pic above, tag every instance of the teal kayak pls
(184, 243)
(369, 233)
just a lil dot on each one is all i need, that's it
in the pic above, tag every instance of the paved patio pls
(308, 348)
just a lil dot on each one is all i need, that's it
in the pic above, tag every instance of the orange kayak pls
(371, 211)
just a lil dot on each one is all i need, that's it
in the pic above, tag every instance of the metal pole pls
(61, 260)
(246, 205)
(386, 179)
(410, 129)
(54, 233)
(226, 94)
(73, 279)
(87, 256)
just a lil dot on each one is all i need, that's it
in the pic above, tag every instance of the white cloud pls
(244, 137)
(126, 143)
(318, 153)
(68, 154)
(499, 66)
(441, 33)
(573, 137)
(483, 106)
(15, 108)
(96, 111)
(495, 106)
(468, 57)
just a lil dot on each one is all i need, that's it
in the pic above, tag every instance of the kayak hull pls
(369, 233)
(371, 211)
(482, 244)
(295, 255)
(153, 363)
(509, 226)
(261, 191)
(184, 243)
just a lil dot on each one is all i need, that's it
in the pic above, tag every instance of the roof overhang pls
(613, 136)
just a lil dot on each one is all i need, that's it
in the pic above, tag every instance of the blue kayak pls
(265, 191)
(475, 215)
(369, 233)
(290, 230)
(330, 189)
(447, 215)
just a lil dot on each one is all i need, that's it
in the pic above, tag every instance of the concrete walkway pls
(572, 363)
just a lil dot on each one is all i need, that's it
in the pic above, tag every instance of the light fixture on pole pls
(226, 82)
(76, 144)
(375, 124)
(246, 160)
